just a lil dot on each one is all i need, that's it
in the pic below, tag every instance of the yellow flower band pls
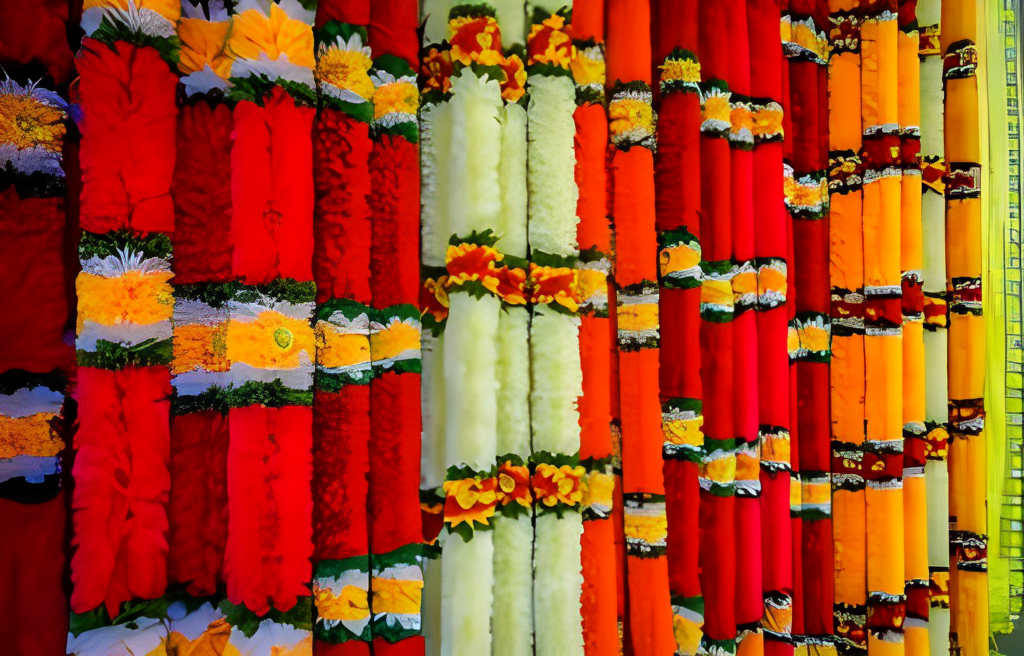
(553, 485)
(632, 121)
(592, 285)
(637, 316)
(646, 525)
(588, 70)
(681, 425)
(807, 197)
(680, 72)
(598, 494)
(810, 338)
(801, 39)
(776, 449)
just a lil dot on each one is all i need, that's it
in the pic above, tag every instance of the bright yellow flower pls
(346, 68)
(351, 604)
(272, 341)
(134, 297)
(253, 33)
(202, 43)
(33, 435)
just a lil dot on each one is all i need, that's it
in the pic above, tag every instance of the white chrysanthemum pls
(138, 20)
(343, 50)
(113, 266)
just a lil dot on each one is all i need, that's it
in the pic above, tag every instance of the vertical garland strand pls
(632, 127)
(678, 202)
(936, 321)
(557, 380)
(770, 248)
(915, 515)
(847, 313)
(966, 347)
(806, 46)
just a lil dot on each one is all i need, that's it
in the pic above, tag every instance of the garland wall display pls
(38, 187)
(515, 328)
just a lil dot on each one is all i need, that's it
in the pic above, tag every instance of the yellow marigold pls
(553, 485)
(599, 490)
(135, 297)
(33, 435)
(813, 338)
(397, 596)
(351, 604)
(741, 118)
(770, 279)
(336, 348)
(803, 195)
(681, 70)
(394, 339)
(716, 108)
(475, 39)
(640, 316)
(551, 43)
(198, 346)
(716, 292)
(684, 431)
(593, 284)
(768, 120)
(630, 115)
(272, 341)
(514, 86)
(202, 43)
(744, 282)
(346, 68)
(398, 97)
(650, 527)
(721, 469)
(254, 33)
(26, 121)
(682, 257)
(748, 467)
(588, 67)
(470, 500)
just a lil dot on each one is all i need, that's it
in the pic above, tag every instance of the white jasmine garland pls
(472, 204)
(556, 374)
(552, 165)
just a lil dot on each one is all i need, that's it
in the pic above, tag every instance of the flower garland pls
(718, 466)
(513, 619)
(554, 334)
(810, 329)
(883, 328)
(394, 341)
(125, 300)
(915, 507)
(594, 268)
(678, 186)
(472, 202)
(966, 371)
(773, 389)
(632, 131)
(845, 182)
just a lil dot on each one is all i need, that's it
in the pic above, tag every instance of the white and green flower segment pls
(513, 532)
(555, 362)
(435, 127)
(473, 206)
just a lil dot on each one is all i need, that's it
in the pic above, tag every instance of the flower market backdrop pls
(518, 328)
